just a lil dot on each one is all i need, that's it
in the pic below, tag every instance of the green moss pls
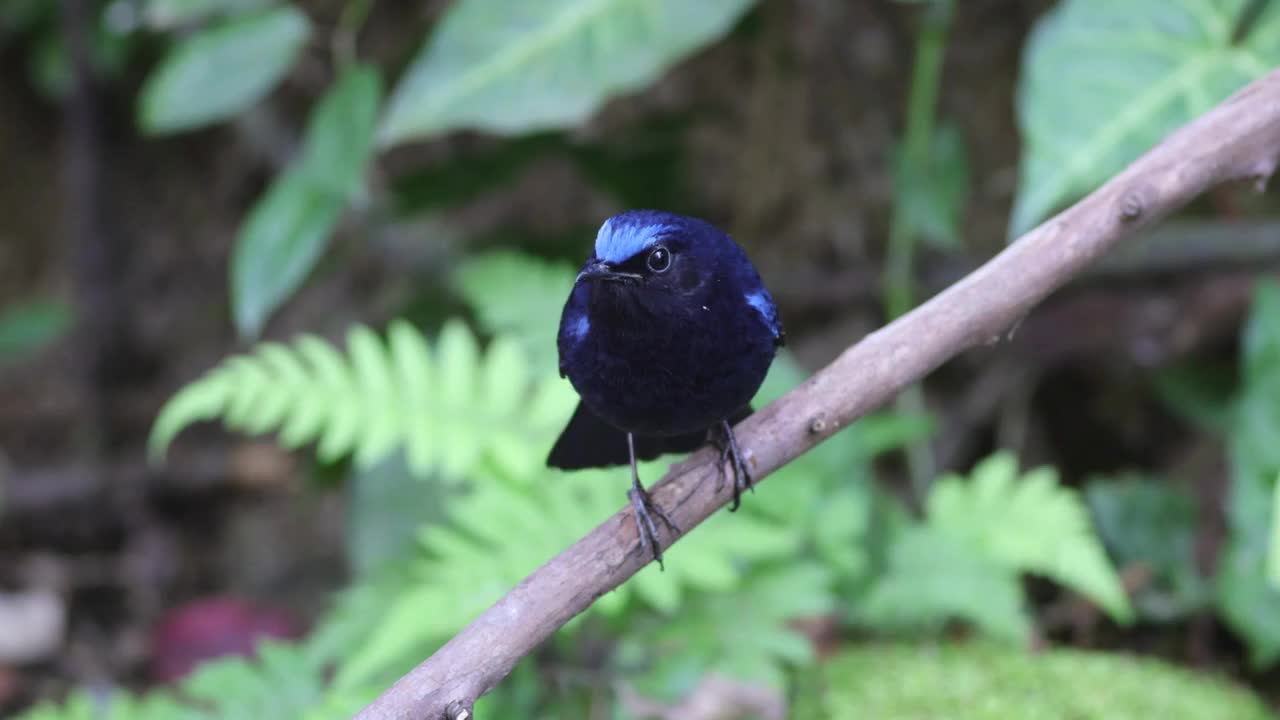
(988, 682)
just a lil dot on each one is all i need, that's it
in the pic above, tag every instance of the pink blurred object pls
(211, 628)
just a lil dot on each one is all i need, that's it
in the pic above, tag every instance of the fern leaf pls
(284, 681)
(745, 634)
(448, 409)
(519, 295)
(281, 682)
(929, 579)
(501, 531)
(1030, 524)
(84, 705)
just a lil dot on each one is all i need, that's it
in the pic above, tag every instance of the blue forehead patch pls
(626, 234)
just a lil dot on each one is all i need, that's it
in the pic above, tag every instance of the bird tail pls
(588, 441)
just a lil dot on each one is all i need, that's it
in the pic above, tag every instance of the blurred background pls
(279, 286)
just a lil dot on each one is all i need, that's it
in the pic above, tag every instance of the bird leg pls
(722, 437)
(645, 508)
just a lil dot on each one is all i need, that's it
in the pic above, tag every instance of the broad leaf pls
(335, 149)
(1248, 601)
(28, 327)
(1262, 333)
(290, 227)
(216, 73)
(933, 195)
(511, 67)
(1200, 392)
(1103, 81)
(170, 14)
(278, 245)
(1152, 524)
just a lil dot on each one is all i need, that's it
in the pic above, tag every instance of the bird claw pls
(729, 454)
(644, 508)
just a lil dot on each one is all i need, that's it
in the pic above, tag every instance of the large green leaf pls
(933, 194)
(1248, 603)
(219, 72)
(512, 67)
(339, 133)
(279, 243)
(1246, 598)
(290, 227)
(27, 327)
(1103, 81)
(1152, 523)
(170, 14)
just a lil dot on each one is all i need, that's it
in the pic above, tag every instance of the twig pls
(1238, 140)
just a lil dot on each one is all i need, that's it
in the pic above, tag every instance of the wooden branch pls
(1238, 140)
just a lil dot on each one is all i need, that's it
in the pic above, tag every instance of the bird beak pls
(599, 269)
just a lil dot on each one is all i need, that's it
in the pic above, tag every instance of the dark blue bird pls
(667, 334)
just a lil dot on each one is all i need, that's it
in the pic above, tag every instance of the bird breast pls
(665, 368)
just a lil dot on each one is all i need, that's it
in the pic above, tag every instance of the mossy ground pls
(988, 682)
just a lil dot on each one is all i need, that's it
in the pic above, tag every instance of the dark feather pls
(587, 442)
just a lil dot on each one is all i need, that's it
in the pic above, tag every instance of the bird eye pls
(659, 259)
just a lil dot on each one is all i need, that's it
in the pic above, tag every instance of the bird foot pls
(644, 509)
(723, 438)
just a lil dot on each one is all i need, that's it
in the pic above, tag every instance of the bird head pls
(651, 253)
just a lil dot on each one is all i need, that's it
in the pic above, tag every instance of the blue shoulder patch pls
(578, 327)
(628, 233)
(763, 303)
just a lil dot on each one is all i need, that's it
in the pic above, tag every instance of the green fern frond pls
(279, 683)
(746, 634)
(1030, 524)
(517, 294)
(964, 560)
(448, 408)
(501, 532)
(84, 705)
(284, 681)
(930, 579)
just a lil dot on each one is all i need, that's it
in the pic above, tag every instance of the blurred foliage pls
(549, 63)
(289, 228)
(219, 72)
(992, 682)
(518, 295)
(451, 409)
(450, 501)
(1150, 523)
(978, 534)
(26, 328)
(1246, 597)
(283, 682)
(1082, 121)
(780, 560)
